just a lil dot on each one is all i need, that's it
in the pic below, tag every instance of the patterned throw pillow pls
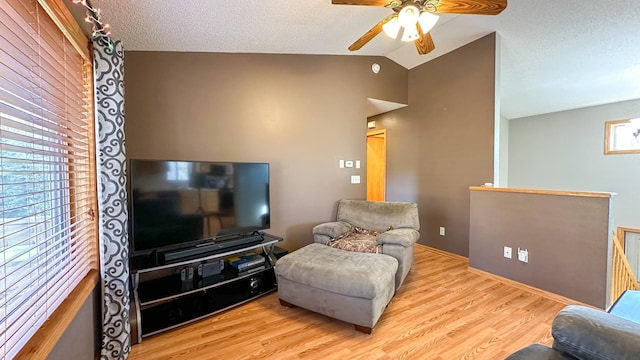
(358, 239)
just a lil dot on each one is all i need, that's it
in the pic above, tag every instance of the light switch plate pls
(341, 164)
(357, 164)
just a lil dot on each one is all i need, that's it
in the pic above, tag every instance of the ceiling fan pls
(417, 17)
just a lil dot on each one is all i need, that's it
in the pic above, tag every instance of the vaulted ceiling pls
(554, 55)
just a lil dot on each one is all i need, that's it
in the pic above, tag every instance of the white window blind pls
(47, 198)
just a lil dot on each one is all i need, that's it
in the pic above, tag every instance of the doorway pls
(376, 165)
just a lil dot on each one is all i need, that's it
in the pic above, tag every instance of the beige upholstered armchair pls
(397, 223)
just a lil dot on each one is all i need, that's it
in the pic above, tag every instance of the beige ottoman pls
(349, 286)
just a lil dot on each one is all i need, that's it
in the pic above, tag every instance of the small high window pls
(622, 136)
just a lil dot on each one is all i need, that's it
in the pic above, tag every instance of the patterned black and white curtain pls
(112, 197)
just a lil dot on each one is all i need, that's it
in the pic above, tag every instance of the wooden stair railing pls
(622, 278)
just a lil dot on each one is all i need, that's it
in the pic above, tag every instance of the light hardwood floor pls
(442, 311)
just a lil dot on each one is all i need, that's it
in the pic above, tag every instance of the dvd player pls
(215, 246)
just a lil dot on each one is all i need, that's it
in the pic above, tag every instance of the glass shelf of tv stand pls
(153, 295)
(154, 290)
(269, 240)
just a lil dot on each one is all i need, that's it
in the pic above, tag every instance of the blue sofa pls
(587, 334)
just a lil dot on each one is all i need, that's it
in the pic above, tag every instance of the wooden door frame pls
(378, 132)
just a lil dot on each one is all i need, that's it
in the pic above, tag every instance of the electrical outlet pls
(441, 230)
(507, 252)
(523, 255)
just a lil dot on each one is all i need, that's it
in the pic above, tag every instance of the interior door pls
(376, 165)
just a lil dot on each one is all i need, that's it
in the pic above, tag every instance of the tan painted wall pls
(568, 239)
(300, 113)
(443, 141)
(81, 339)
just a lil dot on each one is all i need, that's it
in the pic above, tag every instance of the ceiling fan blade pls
(362, 2)
(375, 30)
(424, 43)
(479, 7)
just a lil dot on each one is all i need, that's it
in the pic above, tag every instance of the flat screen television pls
(176, 204)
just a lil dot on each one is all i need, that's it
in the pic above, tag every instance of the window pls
(622, 136)
(47, 182)
(178, 171)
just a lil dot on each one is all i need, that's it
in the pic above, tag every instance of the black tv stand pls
(170, 295)
(212, 247)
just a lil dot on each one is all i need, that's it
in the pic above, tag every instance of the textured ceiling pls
(555, 55)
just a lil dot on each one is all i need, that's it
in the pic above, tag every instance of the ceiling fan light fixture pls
(408, 16)
(427, 21)
(392, 27)
(410, 34)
